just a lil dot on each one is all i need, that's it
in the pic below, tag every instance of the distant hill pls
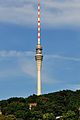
(63, 103)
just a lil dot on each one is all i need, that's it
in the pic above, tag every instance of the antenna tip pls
(38, 4)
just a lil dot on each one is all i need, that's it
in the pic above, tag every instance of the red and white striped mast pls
(38, 24)
(39, 56)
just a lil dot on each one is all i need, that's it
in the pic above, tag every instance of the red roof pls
(33, 104)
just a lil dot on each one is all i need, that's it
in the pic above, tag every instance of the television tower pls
(39, 56)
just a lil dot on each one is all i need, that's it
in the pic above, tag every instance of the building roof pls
(32, 104)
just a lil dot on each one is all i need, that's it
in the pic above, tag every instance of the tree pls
(10, 117)
(70, 115)
(49, 116)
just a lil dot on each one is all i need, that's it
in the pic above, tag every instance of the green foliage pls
(49, 116)
(64, 103)
(70, 115)
(1, 117)
(8, 117)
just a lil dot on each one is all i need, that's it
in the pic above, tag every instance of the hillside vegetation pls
(64, 103)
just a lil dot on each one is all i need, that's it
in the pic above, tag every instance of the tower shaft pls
(39, 77)
(39, 56)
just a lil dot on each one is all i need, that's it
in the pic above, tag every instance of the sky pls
(60, 38)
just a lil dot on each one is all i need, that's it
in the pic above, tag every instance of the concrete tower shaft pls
(39, 56)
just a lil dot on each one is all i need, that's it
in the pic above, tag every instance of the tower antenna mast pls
(38, 24)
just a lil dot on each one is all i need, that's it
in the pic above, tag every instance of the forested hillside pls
(49, 106)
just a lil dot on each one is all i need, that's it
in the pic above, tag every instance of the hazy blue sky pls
(60, 38)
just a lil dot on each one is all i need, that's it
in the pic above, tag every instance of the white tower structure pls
(39, 56)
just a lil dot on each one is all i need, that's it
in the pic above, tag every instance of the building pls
(32, 105)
